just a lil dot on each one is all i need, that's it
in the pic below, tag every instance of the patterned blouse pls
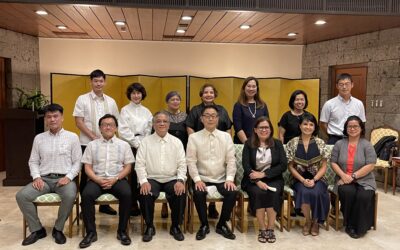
(307, 163)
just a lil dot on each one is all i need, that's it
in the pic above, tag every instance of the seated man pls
(211, 162)
(107, 163)
(54, 163)
(161, 166)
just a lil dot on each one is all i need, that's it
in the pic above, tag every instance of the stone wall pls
(381, 52)
(23, 52)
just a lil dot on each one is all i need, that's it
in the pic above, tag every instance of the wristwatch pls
(353, 175)
(180, 180)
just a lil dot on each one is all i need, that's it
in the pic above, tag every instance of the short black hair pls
(293, 97)
(343, 77)
(138, 87)
(209, 107)
(53, 107)
(97, 73)
(311, 118)
(360, 123)
(106, 116)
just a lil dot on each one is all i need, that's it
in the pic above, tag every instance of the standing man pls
(161, 166)
(211, 162)
(54, 163)
(336, 110)
(107, 164)
(87, 112)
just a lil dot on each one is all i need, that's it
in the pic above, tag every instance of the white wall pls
(76, 56)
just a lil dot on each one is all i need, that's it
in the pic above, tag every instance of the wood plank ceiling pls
(98, 22)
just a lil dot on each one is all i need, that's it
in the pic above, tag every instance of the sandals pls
(262, 236)
(270, 236)
(315, 229)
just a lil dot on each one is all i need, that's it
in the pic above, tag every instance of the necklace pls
(255, 110)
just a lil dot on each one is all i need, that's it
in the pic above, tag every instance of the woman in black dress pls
(264, 161)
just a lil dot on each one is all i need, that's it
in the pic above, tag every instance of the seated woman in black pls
(264, 161)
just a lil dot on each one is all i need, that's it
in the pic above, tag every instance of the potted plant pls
(33, 100)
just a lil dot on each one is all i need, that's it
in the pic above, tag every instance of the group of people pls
(199, 145)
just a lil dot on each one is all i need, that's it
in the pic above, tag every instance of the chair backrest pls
(330, 174)
(239, 166)
(379, 132)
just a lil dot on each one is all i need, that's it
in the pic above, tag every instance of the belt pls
(54, 175)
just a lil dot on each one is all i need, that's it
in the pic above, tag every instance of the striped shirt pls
(55, 154)
(91, 108)
(108, 157)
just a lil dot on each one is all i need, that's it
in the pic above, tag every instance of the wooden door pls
(359, 75)
(3, 104)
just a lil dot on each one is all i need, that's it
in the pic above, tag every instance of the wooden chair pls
(104, 199)
(376, 135)
(161, 199)
(53, 199)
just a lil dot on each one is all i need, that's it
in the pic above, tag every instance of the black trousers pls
(83, 180)
(176, 202)
(357, 206)
(134, 182)
(200, 201)
(332, 139)
(92, 191)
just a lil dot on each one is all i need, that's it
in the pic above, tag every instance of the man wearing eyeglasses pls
(107, 163)
(336, 110)
(161, 166)
(211, 161)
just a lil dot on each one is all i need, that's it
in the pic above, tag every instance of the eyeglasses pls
(344, 84)
(107, 125)
(207, 116)
(353, 127)
(161, 122)
(263, 128)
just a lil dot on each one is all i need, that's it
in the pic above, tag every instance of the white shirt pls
(108, 157)
(135, 123)
(160, 159)
(55, 154)
(211, 156)
(336, 111)
(91, 108)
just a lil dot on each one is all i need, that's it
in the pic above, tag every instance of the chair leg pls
(281, 217)
(241, 215)
(289, 208)
(71, 222)
(375, 210)
(141, 224)
(233, 219)
(191, 214)
(77, 211)
(385, 170)
(24, 226)
(185, 216)
(336, 212)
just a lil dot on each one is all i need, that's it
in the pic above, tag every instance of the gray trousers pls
(28, 194)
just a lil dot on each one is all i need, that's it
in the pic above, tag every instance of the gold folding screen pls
(275, 92)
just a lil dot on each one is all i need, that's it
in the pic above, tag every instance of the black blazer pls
(278, 164)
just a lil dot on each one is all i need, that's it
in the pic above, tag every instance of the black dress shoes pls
(124, 238)
(352, 233)
(177, 233)
(225, 231)
(203, 231)
(106, 209)
(212, 211)
(58, 236)
(149, 233)
(35, 236)
(87, 241)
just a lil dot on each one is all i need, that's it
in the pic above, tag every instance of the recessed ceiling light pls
(292, 34)
(245, 27)
(320, 22)
(120, 23)
(62, 27)
(186, 18)
(41, 12)
(180, 31)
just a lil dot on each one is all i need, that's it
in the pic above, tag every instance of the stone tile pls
(367, 40)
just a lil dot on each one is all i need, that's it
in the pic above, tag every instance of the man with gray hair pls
(161, 166)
